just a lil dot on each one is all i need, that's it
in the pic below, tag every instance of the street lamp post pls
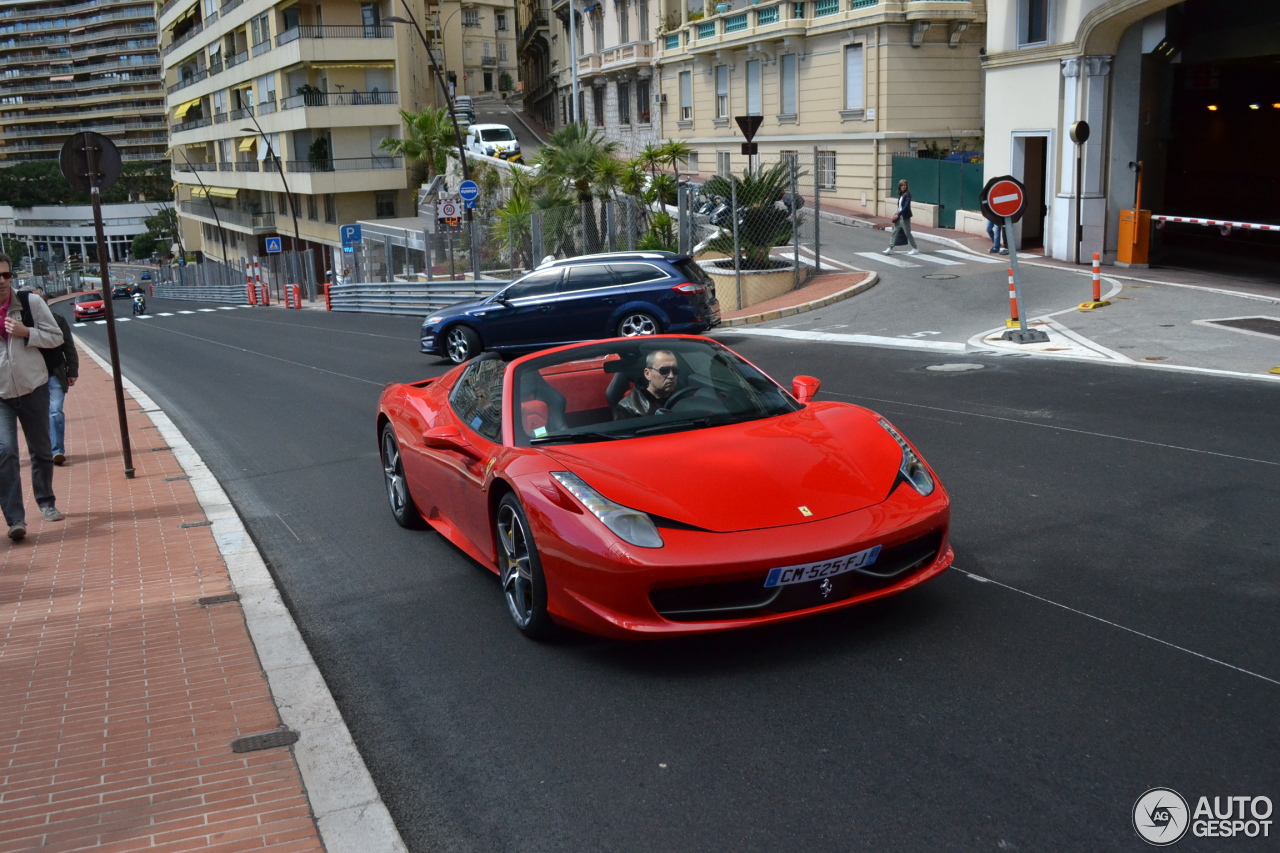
(573, 61)
(222, 237)
(293, 211)
(453, 116)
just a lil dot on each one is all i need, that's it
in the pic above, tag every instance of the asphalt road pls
(1110, 625)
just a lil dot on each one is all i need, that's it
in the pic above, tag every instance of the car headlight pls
(431, 321)
(912, 470)
(630, 525)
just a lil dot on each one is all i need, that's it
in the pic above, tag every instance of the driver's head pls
(661, 371)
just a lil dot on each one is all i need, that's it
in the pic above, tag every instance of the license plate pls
(823, 569)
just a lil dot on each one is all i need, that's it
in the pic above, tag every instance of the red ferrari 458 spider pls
(660, 485)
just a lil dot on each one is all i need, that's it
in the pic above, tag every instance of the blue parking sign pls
(273, 245)
(351, 235)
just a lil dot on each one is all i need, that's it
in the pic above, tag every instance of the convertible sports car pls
(660, 486)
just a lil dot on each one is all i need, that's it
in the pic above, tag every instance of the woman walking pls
(902, 221)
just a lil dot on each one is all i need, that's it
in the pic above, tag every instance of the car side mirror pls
(446, 438)
(501, 299)
(805, 388)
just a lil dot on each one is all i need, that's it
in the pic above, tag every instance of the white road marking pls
(227, 307)
(934, 259)
(808, 257)
(100, 322)
(881, 257)
(977, 259)
(1040, 598)
(164, 314)
(207, 310)
(186, 312)
(143, 317)
(829, 337)
(122, 319)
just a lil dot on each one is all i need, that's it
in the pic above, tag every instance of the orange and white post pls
(250, 291)
(1013, 321)
(1098, 301)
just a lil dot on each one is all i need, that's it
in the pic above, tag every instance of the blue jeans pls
(57, 422)
(32, 411)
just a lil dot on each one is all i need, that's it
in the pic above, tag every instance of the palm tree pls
(763, 222)
(581, 160)
(650, 157)
(674, 153)
(429, 139)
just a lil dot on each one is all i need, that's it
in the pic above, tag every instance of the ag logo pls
(1160, 817)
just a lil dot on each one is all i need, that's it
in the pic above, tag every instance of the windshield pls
(89, 297)
(626, 389)
(498, 134)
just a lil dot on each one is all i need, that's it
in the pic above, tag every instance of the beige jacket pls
(22, 367)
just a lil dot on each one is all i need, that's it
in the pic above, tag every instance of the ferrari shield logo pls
(825, 587)
(805, 511)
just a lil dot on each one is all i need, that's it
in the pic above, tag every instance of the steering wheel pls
(677, 397)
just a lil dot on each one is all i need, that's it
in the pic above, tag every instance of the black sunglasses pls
(666, 371)
(6, 275)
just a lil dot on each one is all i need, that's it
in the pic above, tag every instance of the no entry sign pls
(1003, 198)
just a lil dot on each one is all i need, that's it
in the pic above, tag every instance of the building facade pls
(266, 95)
(850, 83)
(67, 67)
(1186, 88)
(476, 41)
(59, 232)
(617, 73)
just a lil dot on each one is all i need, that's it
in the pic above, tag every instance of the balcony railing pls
(166, 7)
(191, 125)
(488, 61)
(266, 107)
(247, 166)
(339, 99)
(229, 5)
(233, 61)
(184, 38)
(539, 19)
(187, 81)
(262, 47)
(243, 112)
(228, 216)
(195, 167)
(336, 32)
(348, 164)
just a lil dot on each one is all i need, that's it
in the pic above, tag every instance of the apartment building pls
(476, 41)
(80, 66)
(856, 81)
(538, 65)
(1189, 89)
(313, 87)
(617, 74)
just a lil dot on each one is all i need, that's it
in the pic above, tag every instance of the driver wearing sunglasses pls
(661, 375)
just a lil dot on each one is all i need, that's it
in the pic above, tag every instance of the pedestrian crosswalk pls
(954, 258)
(170, 314)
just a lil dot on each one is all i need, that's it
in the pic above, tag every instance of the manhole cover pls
(937, 276)
(1261, 325)
(958, 367)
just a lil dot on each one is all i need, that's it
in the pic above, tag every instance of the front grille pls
(750, 598)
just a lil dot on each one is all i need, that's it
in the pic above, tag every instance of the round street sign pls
(1002, 197)
(469, 190)
(448, 209)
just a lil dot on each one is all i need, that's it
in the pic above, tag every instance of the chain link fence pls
(758, 233)
(275, 270)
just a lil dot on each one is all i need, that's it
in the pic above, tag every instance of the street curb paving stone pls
(870, 281)
(349, 812)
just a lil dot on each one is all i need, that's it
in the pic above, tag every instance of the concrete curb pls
(350, 815)
(519, 114)
(867, 283)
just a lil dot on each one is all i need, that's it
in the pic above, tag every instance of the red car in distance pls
(730, 503)
(88, 306)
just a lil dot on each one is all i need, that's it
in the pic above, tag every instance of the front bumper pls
(427, 343)
(603, 586)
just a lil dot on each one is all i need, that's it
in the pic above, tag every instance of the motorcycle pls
(139, 304)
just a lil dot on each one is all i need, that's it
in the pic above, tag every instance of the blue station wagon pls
(579, 299)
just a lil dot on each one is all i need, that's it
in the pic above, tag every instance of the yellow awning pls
(182, 108)
(223, 192)
(198, 192)
(247, 143)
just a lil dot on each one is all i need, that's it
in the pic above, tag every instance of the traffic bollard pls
(1098, 301)
(1012, 322)
(293, 296)
(264, 293)
(251, 293)
(328, 301)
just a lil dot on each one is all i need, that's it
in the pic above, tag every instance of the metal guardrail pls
(234, 294)
(414, 299)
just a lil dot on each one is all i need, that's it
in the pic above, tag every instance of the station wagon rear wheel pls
(638, 323)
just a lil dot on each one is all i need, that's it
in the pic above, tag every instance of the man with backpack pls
(63, 364)
(24, 397)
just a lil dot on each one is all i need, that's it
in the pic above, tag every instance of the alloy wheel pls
(458, 345)
(517, 580)
(397, 491)
(637, 324)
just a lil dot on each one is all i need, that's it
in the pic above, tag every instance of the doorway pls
(1035, 179)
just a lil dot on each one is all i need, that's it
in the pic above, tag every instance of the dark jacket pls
(70, 366)
(638, 403)
(904, 205)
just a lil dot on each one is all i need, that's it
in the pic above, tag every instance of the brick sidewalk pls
(122, 694)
